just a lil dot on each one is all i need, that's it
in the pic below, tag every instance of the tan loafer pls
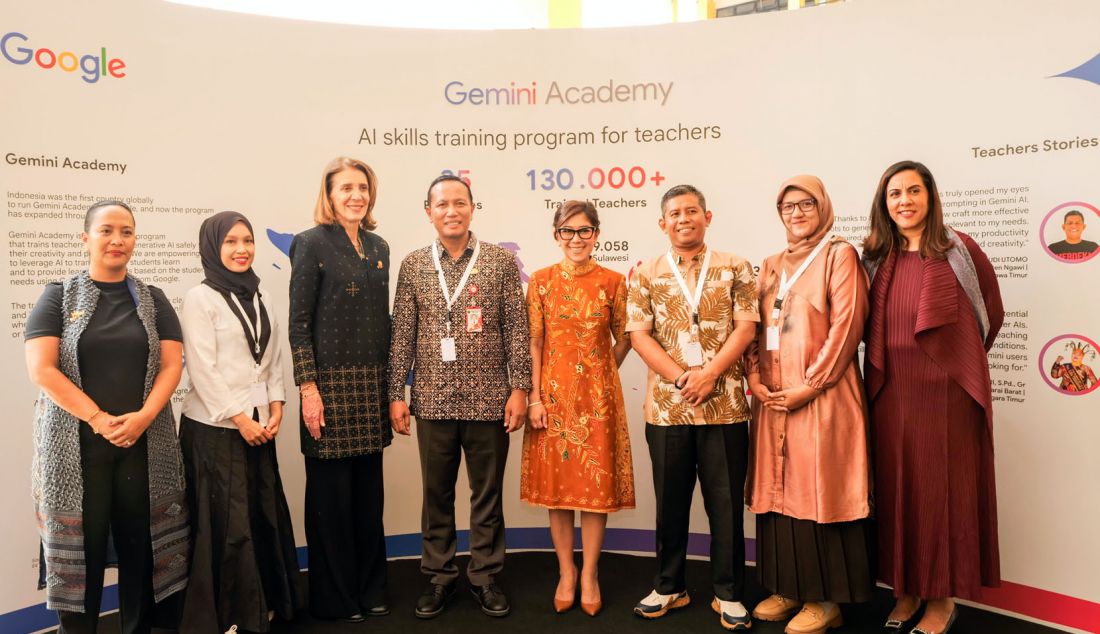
(815, 618)
(776, 608)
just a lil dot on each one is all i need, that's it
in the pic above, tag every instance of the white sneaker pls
(657, 605)
(732, 615)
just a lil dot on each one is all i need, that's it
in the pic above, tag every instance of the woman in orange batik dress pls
(576, 450)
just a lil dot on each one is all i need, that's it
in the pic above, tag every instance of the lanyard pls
(786, 284)
(450, 298)
(693, 300)
(252, 332)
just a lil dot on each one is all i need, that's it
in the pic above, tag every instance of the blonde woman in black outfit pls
(340, 339)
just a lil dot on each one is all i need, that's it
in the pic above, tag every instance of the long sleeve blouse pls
(812, 463)
(219, 363)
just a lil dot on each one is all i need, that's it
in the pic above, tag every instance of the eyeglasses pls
(567, 233)
(806, 205)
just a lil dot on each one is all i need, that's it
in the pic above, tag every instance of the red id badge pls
(474, 323)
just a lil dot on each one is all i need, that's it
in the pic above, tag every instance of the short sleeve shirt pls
(113, 351)
(657, 303)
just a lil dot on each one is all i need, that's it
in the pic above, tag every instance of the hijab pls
(799, 249)
(244, 285)
(211, 235)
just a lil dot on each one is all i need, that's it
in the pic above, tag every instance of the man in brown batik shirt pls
(460, 320)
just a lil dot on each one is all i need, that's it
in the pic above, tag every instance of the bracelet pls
(308, 391)
(533, 403)
(91, 418)
(676, 383)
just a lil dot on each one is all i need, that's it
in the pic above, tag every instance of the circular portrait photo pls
(1068, 364)
(1065, 231)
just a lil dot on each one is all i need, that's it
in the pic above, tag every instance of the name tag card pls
(692, 350)
(258, 394)
(773, 337)
(447, 348)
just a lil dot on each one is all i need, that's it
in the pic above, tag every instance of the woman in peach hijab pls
(809, 473)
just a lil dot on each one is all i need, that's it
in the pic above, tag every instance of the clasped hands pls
(123, 430)
(253, 432)
(696, 385)
(783, 400)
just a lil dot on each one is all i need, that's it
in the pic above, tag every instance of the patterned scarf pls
(963, 266)
(56, 478)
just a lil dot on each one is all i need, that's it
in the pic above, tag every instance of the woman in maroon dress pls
(935, 311)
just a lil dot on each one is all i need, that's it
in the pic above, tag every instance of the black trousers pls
(116, 504)
(347, 541)
(718, 454)
(442, 443)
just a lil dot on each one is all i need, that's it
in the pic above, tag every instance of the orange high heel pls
(561, 605)
(593, 608)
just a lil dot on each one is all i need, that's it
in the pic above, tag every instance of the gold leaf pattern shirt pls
(656, 303)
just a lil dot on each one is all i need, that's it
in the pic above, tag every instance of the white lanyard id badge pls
(257, 389)
(772, 332)
(690, 346)
(447, 347)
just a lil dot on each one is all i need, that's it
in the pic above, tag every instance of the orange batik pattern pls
(582, 460)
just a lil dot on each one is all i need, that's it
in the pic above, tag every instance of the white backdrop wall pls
(217, 111)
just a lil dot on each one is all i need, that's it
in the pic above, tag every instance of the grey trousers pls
(442, 443)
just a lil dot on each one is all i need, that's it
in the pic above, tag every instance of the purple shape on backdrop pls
(1089, 71)
(281, 240)
(514, 248)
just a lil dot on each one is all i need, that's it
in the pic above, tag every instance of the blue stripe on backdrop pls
(37, 617)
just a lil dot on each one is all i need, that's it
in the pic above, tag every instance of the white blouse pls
(219, 363)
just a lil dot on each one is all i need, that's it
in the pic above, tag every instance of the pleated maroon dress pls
(933, 448)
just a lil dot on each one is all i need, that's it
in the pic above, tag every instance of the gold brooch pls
(380, 264)
(76, 314)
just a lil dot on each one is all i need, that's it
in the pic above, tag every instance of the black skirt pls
(808, 561)
(243, 561)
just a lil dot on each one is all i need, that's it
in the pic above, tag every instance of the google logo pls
(91, 66)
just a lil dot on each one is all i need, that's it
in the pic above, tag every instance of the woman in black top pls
(340, 338)
(105, 349)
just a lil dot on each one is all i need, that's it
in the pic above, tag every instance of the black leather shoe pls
(354, 618)
(894, 626)
(379, 610)
(433, 600)
(491, 599)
